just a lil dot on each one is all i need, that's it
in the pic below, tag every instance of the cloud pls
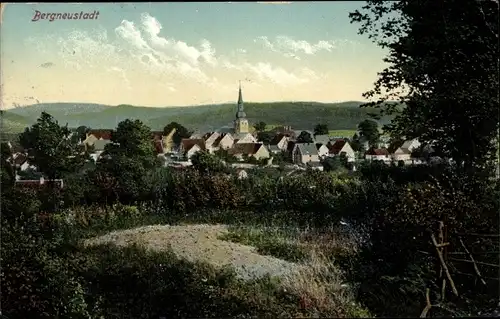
(47, 65)
(165, 54)
(289, 46)
(144, 46)
(264, 71)
(123, 75)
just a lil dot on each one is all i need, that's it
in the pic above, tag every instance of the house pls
(158, 145)
(323, 139)
(196, 135)
(189, 146)
(224, 142)
(411, 145)
(95, 135)
(256, 150)
(285, 130)
(21, 162)
(244, 138)
(280, 141)
(168, 141)
(377, 154)
(401, 154)
(100, 134)
(38, 183)
(156, 135)
(210, 139)
(304, 153)
(322, 150)
(100, 145)
(342, 147)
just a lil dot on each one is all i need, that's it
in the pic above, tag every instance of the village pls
(239, 146)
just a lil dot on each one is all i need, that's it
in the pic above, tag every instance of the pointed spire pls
(240, 113)
(240, 97)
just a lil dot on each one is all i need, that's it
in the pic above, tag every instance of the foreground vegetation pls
(416, 241)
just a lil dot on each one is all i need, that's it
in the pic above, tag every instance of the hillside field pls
(300, 115)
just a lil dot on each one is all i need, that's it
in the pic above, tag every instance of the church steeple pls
(241, 122)
(240, 111)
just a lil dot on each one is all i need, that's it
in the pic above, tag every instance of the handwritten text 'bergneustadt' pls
(65, 16)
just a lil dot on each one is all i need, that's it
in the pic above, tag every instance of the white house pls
(244, 138)
(256, 150)
(377, 154)
(323, 139)
(322, 150)
(411, 145)
(280, 141)
(402, 154)
(342, 147)
(189, 147)
(224, 142)
(304, 153)
(210, 139)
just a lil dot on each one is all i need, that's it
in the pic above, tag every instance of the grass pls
(342, 133)
(318, 289)
(320, 283)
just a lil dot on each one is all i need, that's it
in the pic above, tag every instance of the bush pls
(399, 262)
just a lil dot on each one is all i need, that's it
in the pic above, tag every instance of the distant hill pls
(13, 123)
(300, 115)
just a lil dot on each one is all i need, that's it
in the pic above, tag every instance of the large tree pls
(260, 126)
(51, 148)
(443, 69)
(368, 130)
(321, 129)
(127, 160)
(305, 137)
(180, 132)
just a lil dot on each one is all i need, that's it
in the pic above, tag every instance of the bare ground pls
(201, 243)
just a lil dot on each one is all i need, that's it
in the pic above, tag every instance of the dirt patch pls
(201, 243)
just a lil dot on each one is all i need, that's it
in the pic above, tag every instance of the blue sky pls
(170, 54)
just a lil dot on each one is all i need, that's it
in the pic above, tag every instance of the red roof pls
(20, 159)
(38, 183)
(245, 148)
(336, 147)
(104, 134)
(188, 143)
(377, 151)
(158, 145)
(157, 134)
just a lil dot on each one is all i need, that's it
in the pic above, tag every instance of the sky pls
(191, 53)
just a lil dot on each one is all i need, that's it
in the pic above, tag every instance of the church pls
(241, 122)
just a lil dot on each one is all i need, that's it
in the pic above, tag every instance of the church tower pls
(240, 123)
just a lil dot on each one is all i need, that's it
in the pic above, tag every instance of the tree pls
(304, 137)
(127, 160)
(180, 132)
(368, 129)
(260, 126)
(7, 172)
(265, 137)
(81, 132)
(356, 143)
(205, 162)
(50, 147)
(321, 129)
(443, 71)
